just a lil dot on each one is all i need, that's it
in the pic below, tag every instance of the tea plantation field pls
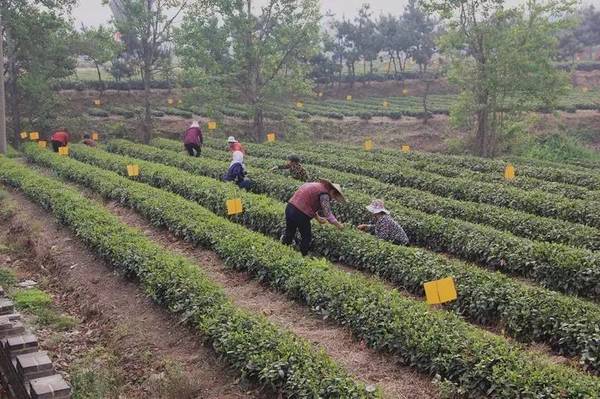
(524, 255)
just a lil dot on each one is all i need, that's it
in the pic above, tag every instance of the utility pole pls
(3, 146)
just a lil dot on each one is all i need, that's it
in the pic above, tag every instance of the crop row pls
(130, 112)
(433, 341)
(560, 174)
(562, 268)
(531, 174)
(526, 313)
(517, 222)
(536, 201)
(258, 349)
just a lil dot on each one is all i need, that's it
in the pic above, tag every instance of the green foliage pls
(558, 148)
(7, 278)
(501, 59)
(259, 350)
(31, 299)
(435, 341)
(485, 297)
(97, 375)
(98, 46)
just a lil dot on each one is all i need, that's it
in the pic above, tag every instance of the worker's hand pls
(340, 225)
(362, 227)
(273, 169)
(320, 219)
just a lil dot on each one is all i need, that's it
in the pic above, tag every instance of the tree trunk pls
(147, 124)
(15, 112)
(3, 144)
(99, 77)
(259, 125)
(482, 127)
(426, 117)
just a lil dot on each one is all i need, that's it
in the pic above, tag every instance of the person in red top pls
(311, 200)
(192, 139)
(60, 138)
(235, 145)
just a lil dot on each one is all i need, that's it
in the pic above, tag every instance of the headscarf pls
(195, 124)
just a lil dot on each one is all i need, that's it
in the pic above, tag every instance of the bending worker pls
(237, 171)
(311, 200)
(60, 138)
(384, 226)
(87, 140)
(295, 168)
(192, 139)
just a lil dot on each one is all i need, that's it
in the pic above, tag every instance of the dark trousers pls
(56, 145)
(297, 221)
(193, 149)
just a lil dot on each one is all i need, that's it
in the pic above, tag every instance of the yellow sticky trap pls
(348, 98)
(212, 125)
(42, 144)
(63, 151)
(405, 149)
(405, 91)
(320, 94)
(299, 104)
(97, 103)
(386, 104)
(271, 137)
(234, 206)
(509, 172)
(24, 135)
(94, 136)
(170, 101)
(34, 136)
(133, 170)
(368, 145)
(440, 291)
(179, 102)
(585, 89)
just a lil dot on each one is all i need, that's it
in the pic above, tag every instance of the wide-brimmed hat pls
(377, 207)
(336, 187)
(195, 124)
(231, 139)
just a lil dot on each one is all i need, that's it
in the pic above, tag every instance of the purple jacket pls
(193, 136)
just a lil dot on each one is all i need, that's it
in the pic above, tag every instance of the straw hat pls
(231, 139)
(377, 207)
(336, 187)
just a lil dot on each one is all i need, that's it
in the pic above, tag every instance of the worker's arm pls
(327, 213)
(365, 227)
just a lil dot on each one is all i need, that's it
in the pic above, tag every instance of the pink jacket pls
(193, 136)
(307, 198)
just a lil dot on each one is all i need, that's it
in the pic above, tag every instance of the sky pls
(92, 12)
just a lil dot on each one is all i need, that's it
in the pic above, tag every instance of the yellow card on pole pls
(94, 136)
(585, 89)
(234, 206)
(320, 94)
(212, 125)
(170, 101)
(368, 145)
(97, 103)
(405, 92)
(386, 104)
(299, 104)
(34, 136)
(348, 98)
(24, 135)
(63, 151)
(42, 144)
(405, 149)
(271, 137)
(133, 170)
(440, 291)
(509, 172)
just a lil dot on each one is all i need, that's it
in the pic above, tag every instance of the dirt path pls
(114, 312)
(396, 380)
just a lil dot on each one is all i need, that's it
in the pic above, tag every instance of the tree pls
(366, 38)
(146, 28)
(98, 46)
(420, 29)
(501, 59)
(34, 65)
(269, 47)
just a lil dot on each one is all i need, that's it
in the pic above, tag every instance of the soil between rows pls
(114, 311)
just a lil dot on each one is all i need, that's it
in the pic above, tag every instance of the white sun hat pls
(377, 207)
(231, 139)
